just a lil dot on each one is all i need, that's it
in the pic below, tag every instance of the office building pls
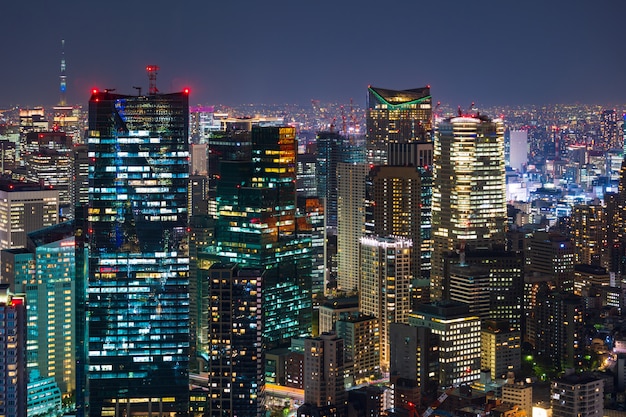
(257, 227)
(350, 223)
(335, 309)
(500, 348)
(610, 135)
(79, 185)
(51, 325)
(470, 284)
(448, 344)
(311, 225)
(518, 150)
(399, 204)
(235, 355)
(469, 190)
(324, 370)
(385, 284)
(13, 377)
(558, 327)
(577, 395)
(589, 225)
(396, 116)
(404, 366)
(25, 207)
(552, 255)
(519, 393)
(361, 338)
(138, 298)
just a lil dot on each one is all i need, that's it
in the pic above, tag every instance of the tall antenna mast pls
(63, 77)
(152, 74)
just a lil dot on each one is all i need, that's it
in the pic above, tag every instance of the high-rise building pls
(138, 296)
(333, 149)
(558, 326)
(335, 309)
(385, 284)
(257, 227)
(449, 344)
(589, 232)
(501, 348)
(469, 190)
(396, 116)
(235, 361)
(13, 377)
(350, 223)
(51, 325)
(399, 204)
(518, 149)
(404, 366)
(469, 284)
(577, 395)
(25, 207)
(552, 255)
(324, 372)
(610, 137)
(361, 337)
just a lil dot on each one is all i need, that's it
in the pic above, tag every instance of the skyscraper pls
(396, 116)
(385, 282)
(13, 376)
(138, 299)
(350, 222)
(469, 189)
(257, 227)
(235, 356)
(399, 204)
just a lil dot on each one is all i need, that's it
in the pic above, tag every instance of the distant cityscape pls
(398, 257)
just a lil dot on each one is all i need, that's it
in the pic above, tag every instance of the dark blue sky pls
(291, 51)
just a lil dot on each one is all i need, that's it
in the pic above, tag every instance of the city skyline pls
(285, 52)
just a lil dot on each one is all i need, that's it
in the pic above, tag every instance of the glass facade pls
(257, 227)
(138, 298)
(396, 116)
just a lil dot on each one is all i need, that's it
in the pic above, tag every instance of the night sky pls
(291, 51)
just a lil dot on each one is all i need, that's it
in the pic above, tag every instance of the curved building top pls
(398, 97)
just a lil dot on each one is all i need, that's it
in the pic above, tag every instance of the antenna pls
(152, 74)
(138, 90)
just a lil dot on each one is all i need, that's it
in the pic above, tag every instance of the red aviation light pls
(94, 91)
(186, 91)
(17, 301)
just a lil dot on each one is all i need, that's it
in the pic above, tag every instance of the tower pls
(469, 190)
(324, 371)
(138, 297)
(399, 204)
(257, 227)
(234, 358)
(396, 116)
(63, 77)
(350, 222)
(385, 283)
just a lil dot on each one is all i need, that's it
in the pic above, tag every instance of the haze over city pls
(490, 52)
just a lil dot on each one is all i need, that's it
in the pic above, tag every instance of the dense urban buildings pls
(138, 299)
(247, 261)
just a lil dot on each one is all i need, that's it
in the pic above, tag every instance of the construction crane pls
(432, 407)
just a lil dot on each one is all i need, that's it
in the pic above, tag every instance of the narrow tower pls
(63, 77)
